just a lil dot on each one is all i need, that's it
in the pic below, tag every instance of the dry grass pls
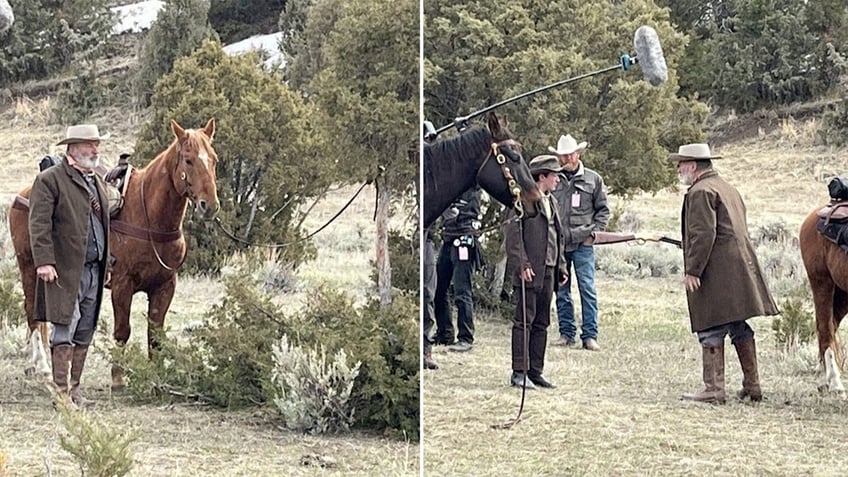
(183, 440)
(617, 412)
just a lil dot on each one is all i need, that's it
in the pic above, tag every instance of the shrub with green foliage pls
(387, 340)
(795, 326)
(99, 450)
(11, 297)
(229, 361)
(314, 394)
(272, 152)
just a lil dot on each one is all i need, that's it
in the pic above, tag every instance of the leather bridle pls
(501, 159)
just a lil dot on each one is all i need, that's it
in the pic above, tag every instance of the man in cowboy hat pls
(69, 236)
(536, 246)
(583, 210)
(723, 280)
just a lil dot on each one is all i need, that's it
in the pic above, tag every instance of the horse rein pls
(187, 192)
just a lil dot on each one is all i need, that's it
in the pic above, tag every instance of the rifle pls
(603, 238)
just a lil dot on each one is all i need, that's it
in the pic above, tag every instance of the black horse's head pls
(505, 175)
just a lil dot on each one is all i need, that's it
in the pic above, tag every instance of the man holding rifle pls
(723, 280)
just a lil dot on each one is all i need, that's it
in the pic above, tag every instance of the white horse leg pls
(831, 373)
(38, 361)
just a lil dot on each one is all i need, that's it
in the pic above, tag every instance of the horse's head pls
(506, 174)
(194, 175)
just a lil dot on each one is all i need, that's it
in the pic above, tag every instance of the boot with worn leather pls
(713, 378)
(60, 356)
(77, 365)
(747, 352)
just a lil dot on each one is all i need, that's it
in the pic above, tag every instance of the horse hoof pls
(118, 387)
(822, 388)
(29, 371)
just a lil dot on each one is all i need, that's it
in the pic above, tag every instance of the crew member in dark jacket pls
(459, 258)
(69, 236)
(536, 245)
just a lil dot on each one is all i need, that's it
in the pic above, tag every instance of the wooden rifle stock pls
(602, 238)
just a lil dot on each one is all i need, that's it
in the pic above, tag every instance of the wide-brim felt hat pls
(567, 145)
(82, 133)
(692, 152)
(544, 163)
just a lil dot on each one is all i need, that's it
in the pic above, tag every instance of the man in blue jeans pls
(583, 210)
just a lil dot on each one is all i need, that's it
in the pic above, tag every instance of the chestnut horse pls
(453, 165)
(146, 235)
(827, 270)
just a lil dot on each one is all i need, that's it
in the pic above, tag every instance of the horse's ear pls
(179, 132)
(494, 123)
(209, 129)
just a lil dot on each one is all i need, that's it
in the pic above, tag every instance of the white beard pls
(685, 179)
(88, 162)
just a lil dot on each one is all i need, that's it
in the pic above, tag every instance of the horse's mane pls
(465, 145)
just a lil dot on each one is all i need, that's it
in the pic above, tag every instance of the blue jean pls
(582, 261)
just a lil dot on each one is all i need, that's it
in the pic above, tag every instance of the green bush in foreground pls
(98, 450)
(229, 362)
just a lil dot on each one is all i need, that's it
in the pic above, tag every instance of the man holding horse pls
(535, 243)
(69, 233)
(723, 280)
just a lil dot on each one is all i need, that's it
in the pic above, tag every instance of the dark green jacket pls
(58, 227)
(583, 206)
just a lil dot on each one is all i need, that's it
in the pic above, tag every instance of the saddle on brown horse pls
(832, 222)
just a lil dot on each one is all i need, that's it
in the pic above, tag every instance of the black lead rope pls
(307, 237)
(526, 351)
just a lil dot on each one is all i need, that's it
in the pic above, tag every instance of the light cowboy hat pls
(692, 152)
(544, 163)
(82, 133)
(568, 145)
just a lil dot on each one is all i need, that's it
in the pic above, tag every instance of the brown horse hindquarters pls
(827, 270)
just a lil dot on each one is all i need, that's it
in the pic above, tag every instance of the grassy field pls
(181, 440)
(617, 412)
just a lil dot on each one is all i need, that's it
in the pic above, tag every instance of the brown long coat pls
(530, 249)
(58, 226)
(716, 248)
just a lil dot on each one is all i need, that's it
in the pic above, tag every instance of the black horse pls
(453, 165)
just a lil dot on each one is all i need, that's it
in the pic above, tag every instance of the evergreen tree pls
(272, 156)
(48, 36)
(362, 69)
(180, 27)
(236, 20)
(477, 53)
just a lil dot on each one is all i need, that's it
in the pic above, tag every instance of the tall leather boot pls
(61, 359)
(77, 365)
(747, 352)
(713, 377)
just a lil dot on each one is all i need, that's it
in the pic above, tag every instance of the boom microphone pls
(649, 55)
